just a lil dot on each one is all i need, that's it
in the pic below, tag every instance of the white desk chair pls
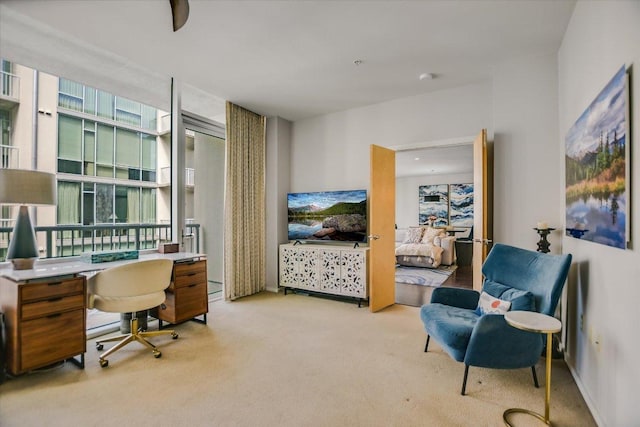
(130, 288)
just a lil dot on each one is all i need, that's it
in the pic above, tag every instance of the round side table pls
(540, 323)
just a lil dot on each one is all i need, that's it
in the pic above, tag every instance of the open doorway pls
(204, 195)
(434, 187)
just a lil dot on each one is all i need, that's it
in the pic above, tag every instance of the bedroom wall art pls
(442, 205)
(461, 205)
(597, 168)
(433, 205)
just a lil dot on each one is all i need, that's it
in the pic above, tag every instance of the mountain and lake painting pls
(328, 215)
(597, 168)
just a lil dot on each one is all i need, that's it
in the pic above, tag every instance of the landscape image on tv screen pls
(328, 215)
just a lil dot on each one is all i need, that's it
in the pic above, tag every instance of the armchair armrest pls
(496, 344)
(456, 297)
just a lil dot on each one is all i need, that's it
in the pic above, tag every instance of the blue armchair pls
(527, 280)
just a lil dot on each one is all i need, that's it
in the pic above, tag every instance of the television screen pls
(328, 215)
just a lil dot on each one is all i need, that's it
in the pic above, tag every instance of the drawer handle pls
(54, 315)
(192, 274)
(195, 284)
(54, 283)
(163, 306)
(54, 299)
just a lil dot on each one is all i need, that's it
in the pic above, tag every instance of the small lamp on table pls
(25, 187)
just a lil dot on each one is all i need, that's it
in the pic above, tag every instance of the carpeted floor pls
(433, 277)
(295, 360)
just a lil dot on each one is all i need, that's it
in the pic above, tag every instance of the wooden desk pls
(45, 307)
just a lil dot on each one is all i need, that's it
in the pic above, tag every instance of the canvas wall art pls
(433, 205)
(461, 205)
(597, 168)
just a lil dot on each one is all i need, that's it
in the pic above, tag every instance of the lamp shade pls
(27, 187)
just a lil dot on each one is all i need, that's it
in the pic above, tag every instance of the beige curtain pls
(244, 218)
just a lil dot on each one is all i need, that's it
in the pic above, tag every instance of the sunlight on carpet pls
(433, 277)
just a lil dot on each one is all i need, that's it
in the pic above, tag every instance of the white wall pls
(603, 287)
(331, 152)
(407, 194)
(277, 179)
(527, 154)
(209, 163)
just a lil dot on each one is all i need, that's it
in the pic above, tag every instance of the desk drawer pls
(49, 339)
(188, 280)
(52, 306)
(47, 290)
(187, 268)
(186, 303)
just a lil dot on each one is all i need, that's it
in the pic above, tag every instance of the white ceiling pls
(452, 160)
(295, 59)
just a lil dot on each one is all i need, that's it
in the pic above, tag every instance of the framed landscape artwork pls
(597, 168)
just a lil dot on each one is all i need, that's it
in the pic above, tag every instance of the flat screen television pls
(328, 216)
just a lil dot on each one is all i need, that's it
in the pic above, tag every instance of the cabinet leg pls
(78, 363)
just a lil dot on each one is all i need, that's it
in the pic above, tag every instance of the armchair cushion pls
(519, 299)
(450, 326)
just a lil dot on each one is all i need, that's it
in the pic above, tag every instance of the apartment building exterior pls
(111, 156)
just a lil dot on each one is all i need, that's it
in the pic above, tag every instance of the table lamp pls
(25, 187)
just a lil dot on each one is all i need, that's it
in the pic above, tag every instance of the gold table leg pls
(547, 393)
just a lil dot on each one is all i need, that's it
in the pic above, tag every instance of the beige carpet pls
(295, 360)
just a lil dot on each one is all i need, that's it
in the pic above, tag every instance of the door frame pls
(451, 142)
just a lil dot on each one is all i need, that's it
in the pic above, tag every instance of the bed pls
(424, 246)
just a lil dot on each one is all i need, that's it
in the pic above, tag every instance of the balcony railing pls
(9, 156)
(74, 240)
(9, 85)
(165, 176)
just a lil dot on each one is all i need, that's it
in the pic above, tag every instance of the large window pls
(89, 148)
(115, 145)
(97, 203)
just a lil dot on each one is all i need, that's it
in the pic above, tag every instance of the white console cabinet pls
(330, 269)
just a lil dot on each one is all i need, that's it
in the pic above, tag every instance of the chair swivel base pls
(135, 335)
(505, 415)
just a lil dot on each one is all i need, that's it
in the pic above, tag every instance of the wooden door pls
(482, 205)
(382, 212)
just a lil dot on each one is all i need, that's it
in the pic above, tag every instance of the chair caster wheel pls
(104, 363)
(174, 336)
(99, 346)
(157, 354)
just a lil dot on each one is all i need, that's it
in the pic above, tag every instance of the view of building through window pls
(107, 152)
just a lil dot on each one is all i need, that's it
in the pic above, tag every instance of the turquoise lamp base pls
(23, 247)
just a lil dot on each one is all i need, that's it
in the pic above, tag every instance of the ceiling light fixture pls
(427, 76)
(357, 62)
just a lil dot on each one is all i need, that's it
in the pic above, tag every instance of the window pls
(105, 204)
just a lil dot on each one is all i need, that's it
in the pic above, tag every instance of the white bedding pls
(419, 254)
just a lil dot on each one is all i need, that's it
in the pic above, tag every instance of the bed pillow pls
(414, 235)
(488, 304)
(430, 234)
(520, 300)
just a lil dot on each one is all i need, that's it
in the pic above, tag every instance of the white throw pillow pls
(414, 235)
(429, 235)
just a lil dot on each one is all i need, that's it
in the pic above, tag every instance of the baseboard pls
(585, 395)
